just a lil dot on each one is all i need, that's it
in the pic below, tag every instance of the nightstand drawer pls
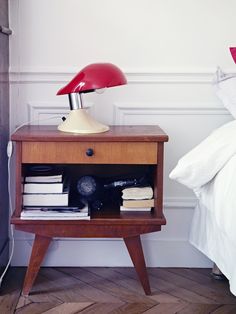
(90, 153)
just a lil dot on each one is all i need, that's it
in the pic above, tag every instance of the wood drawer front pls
(103, 153)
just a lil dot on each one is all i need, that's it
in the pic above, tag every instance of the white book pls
(44, 178)
(138, 203)
(47, 199)
(135, 209)
(41, 187)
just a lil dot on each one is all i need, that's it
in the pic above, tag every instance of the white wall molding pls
(179, 203)
(44, 111)
(40, 112)
(164, 76)
(122, 111)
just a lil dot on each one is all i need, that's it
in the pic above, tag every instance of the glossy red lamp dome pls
(91, 78)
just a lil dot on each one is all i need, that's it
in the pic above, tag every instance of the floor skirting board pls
(113, 253)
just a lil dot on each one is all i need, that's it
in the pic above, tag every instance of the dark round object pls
(89, 152)
(87, 186)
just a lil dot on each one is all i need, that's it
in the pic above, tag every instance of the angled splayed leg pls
(39, 250)
(135, 250)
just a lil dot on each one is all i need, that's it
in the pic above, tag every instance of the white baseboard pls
(113, 253)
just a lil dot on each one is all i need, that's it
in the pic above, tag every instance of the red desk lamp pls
(92, 77)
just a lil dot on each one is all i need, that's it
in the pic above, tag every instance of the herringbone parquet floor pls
(117, 290)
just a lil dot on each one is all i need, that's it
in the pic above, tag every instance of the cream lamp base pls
(79, 121)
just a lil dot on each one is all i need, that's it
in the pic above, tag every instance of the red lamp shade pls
(94, 76)
(233, 53)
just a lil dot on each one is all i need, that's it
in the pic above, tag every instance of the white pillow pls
(225, 88)
(202, 163)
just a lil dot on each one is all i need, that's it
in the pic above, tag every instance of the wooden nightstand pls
(120, 151)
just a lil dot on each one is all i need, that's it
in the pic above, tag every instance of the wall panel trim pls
(62, 75)
(122, 111)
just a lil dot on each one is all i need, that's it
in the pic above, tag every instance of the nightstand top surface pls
(46, 133)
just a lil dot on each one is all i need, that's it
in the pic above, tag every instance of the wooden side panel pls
(103, 153)
(19, 189)
(158, 191)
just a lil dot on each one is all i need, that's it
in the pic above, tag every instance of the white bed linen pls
(213, 229)
(210, 170)
(202, 163)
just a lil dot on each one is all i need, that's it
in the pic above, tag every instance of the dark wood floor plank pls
(68, 308)
(89, 276)
(133, 308)
(95, 290)
(203, 271)
(103, 308)
(221, 285)
(198, 309)
(157, 295)
(35, 308)
(93, 293)
(115, 275)
(169, 287)
(118, 278)
(63, 287)
(44, 291)
(193, 274)
(165, 308)
(179, 292)
(214, 295)
(225, 309)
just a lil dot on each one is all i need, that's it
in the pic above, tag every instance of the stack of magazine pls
(55, 213)
(46, 196)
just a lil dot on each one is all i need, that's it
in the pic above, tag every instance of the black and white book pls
(44, 174)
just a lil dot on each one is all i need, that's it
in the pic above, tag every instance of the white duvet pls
(210, 170)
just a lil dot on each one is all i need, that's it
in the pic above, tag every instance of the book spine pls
(133, 209)
(138, 203)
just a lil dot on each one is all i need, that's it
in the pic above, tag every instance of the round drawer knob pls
(89, 152)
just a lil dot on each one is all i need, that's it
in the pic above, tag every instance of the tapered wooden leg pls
(134, 247)
(38, 252)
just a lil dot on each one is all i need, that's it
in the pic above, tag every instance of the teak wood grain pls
(117, 133)
(103, 153)
(121, 145)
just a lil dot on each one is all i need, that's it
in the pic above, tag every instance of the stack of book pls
(46, 197)
(137, 199)
(46, 190)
